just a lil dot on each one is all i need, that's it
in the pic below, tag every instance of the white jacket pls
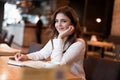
(74, 55)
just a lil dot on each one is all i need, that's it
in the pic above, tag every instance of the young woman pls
(66, 45)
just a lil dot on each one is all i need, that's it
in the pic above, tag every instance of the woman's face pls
(62, 22)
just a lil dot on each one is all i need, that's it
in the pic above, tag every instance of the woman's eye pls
(64, 21)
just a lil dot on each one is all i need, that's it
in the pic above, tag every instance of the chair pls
(114, 39)
(101, 69)
(3, 35)
(34, 47)
(113, 52)
(10, 40)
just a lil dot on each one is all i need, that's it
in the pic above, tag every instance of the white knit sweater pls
(74, 55)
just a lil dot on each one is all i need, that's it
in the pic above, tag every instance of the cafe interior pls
(100, 23)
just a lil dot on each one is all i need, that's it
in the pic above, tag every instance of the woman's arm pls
(44, 53)
(75, 51)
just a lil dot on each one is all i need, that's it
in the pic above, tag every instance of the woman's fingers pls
(20, 57)
(17, 56)
(67, 32)
(71, 29)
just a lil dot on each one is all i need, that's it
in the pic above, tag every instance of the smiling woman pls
(63, 23)
(66, 46)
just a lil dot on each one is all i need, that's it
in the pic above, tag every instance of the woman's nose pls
(59, 23)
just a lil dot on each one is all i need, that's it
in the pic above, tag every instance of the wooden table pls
(10, 72)
(6, 50)
(102, 45)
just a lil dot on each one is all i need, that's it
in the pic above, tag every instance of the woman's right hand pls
(20, 57)
(67, 32)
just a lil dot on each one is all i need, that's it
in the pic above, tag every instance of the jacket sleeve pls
(44, 53)
(57, 52)
(73, 53)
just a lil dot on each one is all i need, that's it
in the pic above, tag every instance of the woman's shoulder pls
(80, 40)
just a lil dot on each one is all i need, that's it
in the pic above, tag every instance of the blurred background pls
(99, 19)
(19, 18)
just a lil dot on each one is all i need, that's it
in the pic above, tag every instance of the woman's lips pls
(61, 28)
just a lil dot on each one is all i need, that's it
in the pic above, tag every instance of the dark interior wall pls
(1, 14)
(99, 9)
(94, 9)
(78, 6)
(108, 16)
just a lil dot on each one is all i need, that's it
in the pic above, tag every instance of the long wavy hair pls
(71, 14)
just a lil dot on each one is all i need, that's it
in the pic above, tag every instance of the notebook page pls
(15, 63)
(33, 64)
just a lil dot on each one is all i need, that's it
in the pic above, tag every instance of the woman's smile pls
(61, 28)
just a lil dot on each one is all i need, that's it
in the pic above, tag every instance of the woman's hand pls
(21, 57)
(67, 32)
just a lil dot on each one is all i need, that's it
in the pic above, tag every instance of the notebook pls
(15, 63)
(30, 63)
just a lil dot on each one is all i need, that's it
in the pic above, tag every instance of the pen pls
(17, 56)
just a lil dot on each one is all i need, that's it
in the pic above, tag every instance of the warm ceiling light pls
(98, 20)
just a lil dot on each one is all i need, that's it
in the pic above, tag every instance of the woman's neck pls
(65, 41)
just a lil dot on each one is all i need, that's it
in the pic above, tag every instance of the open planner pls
(30, 63)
